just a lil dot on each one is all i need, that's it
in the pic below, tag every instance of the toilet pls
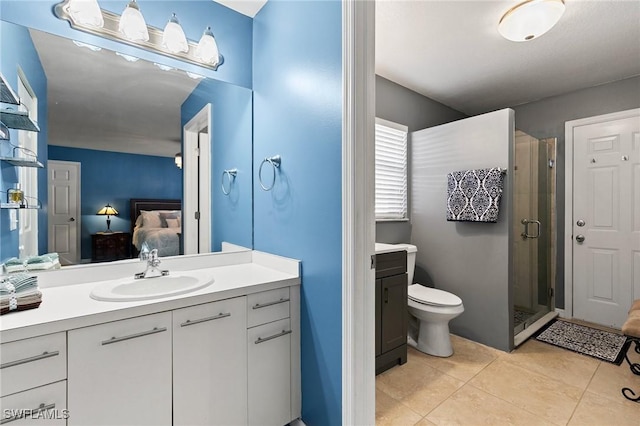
(430, 311)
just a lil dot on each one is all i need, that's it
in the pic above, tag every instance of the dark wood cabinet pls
(110, 246)
(391, 310)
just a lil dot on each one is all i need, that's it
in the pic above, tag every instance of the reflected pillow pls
(150, 219)
(165, 215)
(173, 223)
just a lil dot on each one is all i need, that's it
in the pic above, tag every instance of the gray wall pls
(546, 119)
(471, 260)
(401, 105)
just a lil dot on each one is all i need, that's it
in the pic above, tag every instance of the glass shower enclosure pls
(534, 230)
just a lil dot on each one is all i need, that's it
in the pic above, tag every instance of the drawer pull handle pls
(198, 321)
(42, 407)
(275, 336)
(133, 336)
(30, 359)
(264, 305)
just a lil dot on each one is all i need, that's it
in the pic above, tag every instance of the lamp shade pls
(132, 23)
(107, 211)
(207, 48)
(173, 37)
(530, 19)
(86, 12)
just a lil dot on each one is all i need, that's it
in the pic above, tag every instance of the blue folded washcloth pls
(17, 283)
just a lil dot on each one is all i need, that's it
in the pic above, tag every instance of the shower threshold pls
(521, 336)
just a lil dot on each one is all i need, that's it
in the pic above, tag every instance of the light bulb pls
(207, 49)
(132, 23)
(173, 37)
(86, 12)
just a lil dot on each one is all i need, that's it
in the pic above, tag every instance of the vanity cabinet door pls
(120, 372)
(210, 364)
(269, 349)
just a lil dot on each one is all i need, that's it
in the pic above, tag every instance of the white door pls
(63, 181)
(606, 220)
(28, 176)
(196, 203)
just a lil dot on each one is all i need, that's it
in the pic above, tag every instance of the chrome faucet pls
(153, 263)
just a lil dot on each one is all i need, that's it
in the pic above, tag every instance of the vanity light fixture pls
(108, 211)
(178, 160)
(207, 48)
(530, 19)
(163, 67)
(131, 29)
(173, 37)
(86, 12)
(132, 24)
(88, 46)
(127, 58)
(194, 75)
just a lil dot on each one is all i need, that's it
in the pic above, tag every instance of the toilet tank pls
(411, 258)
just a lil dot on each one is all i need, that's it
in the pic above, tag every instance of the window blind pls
(391, 170)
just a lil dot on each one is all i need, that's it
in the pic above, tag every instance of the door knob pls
(72, 219)
(580, 238)
(580, 222)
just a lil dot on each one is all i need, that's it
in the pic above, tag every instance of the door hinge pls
(197, 215)
(197, 152)
(373, 261)
(550, 293)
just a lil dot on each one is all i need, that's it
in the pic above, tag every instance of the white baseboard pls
(562, 313)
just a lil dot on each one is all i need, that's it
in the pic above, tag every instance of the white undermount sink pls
(130, 289)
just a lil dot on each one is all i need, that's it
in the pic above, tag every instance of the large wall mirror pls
(111, 127)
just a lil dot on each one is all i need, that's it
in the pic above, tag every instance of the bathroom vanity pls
(228, 353)
(391, 308)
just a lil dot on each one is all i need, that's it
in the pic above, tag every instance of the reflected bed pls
(158, 223)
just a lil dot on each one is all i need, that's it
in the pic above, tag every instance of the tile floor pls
(537, 384)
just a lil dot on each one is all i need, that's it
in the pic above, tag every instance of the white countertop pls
(387, 248)
(69, 306)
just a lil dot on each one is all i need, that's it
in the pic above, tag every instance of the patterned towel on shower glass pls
(474, 195)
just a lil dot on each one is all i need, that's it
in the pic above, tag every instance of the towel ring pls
(275, 162)
(231, 176)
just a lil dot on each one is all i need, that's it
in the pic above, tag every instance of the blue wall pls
(231, 29)
(114, 178)
(231, 148)
(297, 82)
(18, 50)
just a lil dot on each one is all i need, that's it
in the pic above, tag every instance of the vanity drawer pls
(267, 306)
(29, 363)
(46, 405)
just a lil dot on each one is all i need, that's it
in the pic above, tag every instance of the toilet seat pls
(432, 296)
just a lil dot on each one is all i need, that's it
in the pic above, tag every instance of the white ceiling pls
(97, 100)
(246, 7)
(451, 51)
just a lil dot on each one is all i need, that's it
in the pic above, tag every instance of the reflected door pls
(64, 210)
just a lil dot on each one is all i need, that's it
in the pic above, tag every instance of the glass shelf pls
(17, 206)
(7, 95)
(22, 162)
(18, 120)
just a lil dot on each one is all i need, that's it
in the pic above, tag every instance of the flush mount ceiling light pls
(173, 37)
(530, 19)
(207, 48)
(85, 12)
(131, 29)
(132, 23)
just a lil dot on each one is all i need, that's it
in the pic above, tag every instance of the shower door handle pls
(526, 223)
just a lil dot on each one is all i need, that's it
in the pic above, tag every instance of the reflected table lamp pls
(107, 211)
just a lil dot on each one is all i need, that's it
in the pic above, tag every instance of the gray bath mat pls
(603, 345)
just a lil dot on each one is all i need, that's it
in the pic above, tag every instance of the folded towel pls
(17, 283)
(33, 263)
(6, 297)
(474, 195)
(21, 303)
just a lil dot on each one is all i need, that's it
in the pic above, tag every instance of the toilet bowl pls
(430, 311)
